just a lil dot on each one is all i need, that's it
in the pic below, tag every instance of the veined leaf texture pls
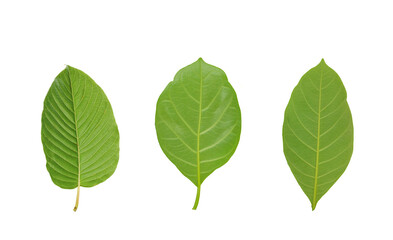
(198, 125)
(79, 133)
(318, 131)
(198, 121)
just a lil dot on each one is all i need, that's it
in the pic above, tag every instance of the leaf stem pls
(197, 198)
(77, 198)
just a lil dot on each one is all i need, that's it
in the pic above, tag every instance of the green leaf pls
(198, 121)
(318, 131)
(79, 132)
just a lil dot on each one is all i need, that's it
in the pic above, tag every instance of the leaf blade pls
(317, 126)
(190, 121)
(79, 133)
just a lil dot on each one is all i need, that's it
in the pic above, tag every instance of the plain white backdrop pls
(132, 49)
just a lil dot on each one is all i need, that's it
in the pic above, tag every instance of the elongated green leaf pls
(318, 131)
(79, 132)
(198, 121)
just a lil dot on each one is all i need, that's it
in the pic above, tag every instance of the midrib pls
(198, 140)
(199, 126)
(314, 202)
(77, 141)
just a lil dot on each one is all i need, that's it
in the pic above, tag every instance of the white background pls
(132, 49)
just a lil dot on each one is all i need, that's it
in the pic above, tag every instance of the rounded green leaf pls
(318, 131)
(198, 121)
(79, 133)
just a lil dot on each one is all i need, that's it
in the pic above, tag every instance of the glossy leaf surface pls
(198, 121)
(318, 131)
(79, 133)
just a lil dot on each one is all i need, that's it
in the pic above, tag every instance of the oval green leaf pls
(79, 133)
(318, 131)
(198, 121)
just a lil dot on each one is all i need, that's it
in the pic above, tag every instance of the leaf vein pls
(177, 135)
(219, 118)
(220, 140)
(301, 140)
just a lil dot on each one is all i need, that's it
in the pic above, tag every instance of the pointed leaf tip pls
(68, 67)
(200, 60)
(322, 63)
